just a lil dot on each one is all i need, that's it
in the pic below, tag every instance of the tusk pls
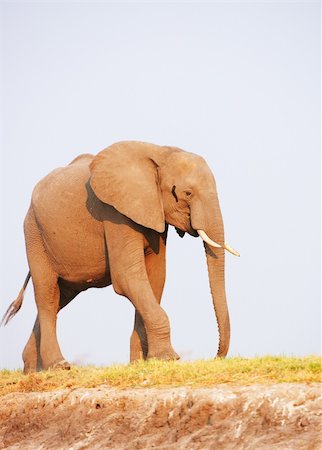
(230, 250)
(207, 239)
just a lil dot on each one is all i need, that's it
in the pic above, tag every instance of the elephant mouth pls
(188, 230)
(193, 232)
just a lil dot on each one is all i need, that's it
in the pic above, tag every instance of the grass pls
(203, 373)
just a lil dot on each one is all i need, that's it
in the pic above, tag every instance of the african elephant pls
(103, 220)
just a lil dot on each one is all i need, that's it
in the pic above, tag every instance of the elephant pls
(103, 220)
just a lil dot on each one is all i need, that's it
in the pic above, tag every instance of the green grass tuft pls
(153, 373)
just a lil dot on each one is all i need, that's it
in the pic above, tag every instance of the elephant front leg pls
(139, 340)
(130, 279)
(137, 288)
(155, 268)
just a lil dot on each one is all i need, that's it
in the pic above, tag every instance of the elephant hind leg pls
(31, 354)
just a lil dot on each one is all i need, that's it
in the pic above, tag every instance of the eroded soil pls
(282, 416)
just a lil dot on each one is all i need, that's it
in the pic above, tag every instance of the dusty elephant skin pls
(103, 220)
(253, 417)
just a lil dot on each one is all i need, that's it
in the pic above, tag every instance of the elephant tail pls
(16, 304)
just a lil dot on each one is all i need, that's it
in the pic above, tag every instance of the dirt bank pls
(282, 416)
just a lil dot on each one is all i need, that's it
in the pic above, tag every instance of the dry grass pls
(203, 373)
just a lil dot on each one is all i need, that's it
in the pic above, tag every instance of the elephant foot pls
(136, 356)
(28, 368)
(62, 364)
(138, 350)
(169, 355)
(32, 365)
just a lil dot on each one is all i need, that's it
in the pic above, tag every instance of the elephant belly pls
(80, 257)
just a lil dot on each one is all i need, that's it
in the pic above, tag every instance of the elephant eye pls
(188, 193)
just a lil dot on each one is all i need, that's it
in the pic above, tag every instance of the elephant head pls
(154, 185)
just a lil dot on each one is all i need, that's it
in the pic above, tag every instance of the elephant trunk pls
(216, 272)
(206, 216)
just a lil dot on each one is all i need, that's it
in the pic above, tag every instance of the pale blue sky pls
(238, 83)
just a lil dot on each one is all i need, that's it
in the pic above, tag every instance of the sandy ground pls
(283, 416)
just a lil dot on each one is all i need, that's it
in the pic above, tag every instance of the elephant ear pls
(126, 177)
